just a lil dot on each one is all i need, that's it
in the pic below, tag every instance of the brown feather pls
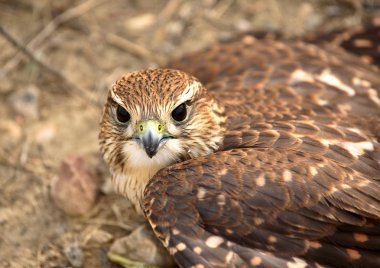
(278, 164)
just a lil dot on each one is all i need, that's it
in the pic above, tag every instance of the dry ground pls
(51, 111)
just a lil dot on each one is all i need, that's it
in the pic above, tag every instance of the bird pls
(252, 153)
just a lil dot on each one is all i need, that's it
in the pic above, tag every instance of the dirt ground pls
(50, 110)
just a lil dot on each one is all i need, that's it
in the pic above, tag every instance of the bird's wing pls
(297, 180)
(361, 40)
(268, 207)
(286, 78)
(242, 54)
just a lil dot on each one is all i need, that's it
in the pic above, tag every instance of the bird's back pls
(297, 179)
(269, 75)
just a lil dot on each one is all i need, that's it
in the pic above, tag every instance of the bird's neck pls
(131, 183)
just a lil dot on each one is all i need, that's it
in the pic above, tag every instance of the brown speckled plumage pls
(292, 178)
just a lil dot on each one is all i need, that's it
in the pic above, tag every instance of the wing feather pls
(296, 182)
(254, 205)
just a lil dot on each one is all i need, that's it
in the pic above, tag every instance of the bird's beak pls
(150, 133)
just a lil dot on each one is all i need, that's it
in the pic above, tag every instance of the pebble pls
(25, 102)
(142, 245)
(74, 254)
(11, 130)
(75, 188)
(243, 25)
(100, 237)
(45, 134)
(140, 22)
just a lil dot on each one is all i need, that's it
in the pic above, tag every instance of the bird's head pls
(156, 117)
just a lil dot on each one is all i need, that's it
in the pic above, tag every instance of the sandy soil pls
(51, 111)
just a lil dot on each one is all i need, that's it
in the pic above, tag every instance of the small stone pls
(243, 25)
(100, 237)
(140, 22)
(75, 188)
(10, 130)
(25, 102)
(186, 11)
(45, 134)
(175, 28)
(74, 254)
(142, 245)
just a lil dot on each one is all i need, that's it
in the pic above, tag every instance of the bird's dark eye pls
(179, 113)
(122, 115)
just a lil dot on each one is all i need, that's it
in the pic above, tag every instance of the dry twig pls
(49, 29)
(132, 48)
(111, 223)
(43, 64)
(170, 9)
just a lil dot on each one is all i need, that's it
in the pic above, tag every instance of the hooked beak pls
(151, 134)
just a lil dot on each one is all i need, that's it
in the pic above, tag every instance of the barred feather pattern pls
(296, 181)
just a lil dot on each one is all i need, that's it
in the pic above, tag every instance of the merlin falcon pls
(252, 153)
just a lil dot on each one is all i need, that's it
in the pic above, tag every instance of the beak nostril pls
(150, 134)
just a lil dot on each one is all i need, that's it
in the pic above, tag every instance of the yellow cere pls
(154, 125)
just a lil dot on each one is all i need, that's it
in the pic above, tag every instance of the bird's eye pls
(122, 115)
(179, 113)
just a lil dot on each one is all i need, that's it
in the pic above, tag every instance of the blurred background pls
(57, 61)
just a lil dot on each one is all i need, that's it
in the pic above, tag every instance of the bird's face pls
(156, 117)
